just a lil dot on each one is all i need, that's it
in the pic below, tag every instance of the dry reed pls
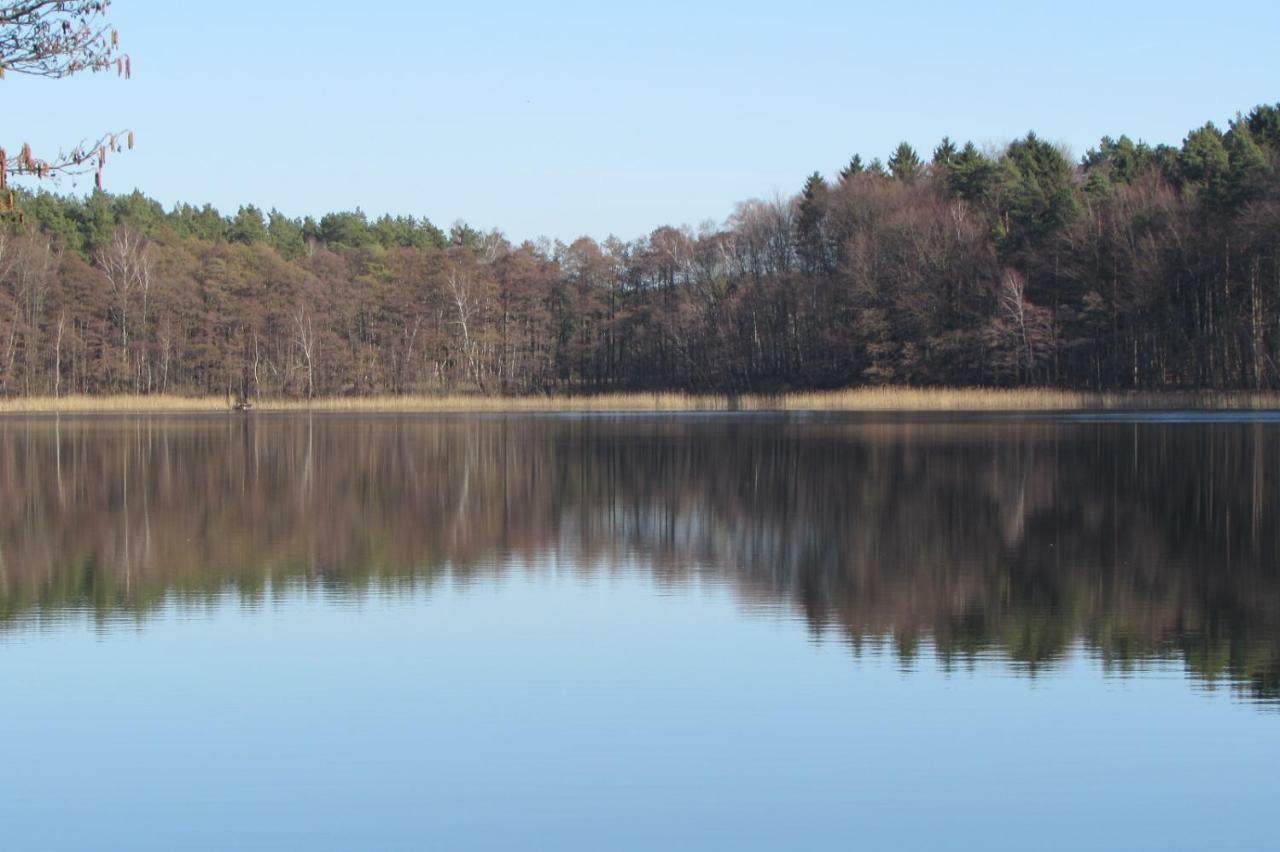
(857, 399)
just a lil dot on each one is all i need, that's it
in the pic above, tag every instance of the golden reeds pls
(122, 403)
(855, 399)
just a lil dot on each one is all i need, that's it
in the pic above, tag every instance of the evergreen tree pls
(1264, 124)
(349, 229)
(1121, 159)
(462, 234)
(407, 232)
(1097, 183)
(1248, 166)
(1037, 183)
(100, 220)
(904, 163)
(285, 235)
(1203, 159)
(1165, 158)
(971, 174)
(247, 227)
(203, 223)
(811, 236)
(855, 167)
(141, 212)
(57, 217)
(944, 156)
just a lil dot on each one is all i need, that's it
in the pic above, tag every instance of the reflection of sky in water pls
(545, 708)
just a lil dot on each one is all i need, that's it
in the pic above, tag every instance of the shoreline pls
(884, 399)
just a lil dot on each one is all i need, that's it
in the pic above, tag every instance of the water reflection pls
(1143, 541)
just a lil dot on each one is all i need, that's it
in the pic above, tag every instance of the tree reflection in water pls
(1014, 537)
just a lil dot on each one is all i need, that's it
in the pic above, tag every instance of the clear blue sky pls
(561, 119)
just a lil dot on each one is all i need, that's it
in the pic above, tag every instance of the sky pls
(564, 119)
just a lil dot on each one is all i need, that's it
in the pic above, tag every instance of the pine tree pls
(904, 163)
(811, 236)
(1248, 166)
(971, 174)
(247, 227)
(855, 167)
(1264, 124)
(285, 235)
(944, 156)
(1037, 181)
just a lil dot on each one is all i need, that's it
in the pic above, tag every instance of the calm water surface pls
(738, 631)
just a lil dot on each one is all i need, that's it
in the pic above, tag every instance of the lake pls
(639, 631)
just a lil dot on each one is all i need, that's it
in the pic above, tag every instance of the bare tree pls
(26, 270)
(463, 292)
(1022, 329)
(306, 341)
(55, 39)
(126, 261)
(57, 353)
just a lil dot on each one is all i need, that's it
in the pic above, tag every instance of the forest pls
(1135, 267)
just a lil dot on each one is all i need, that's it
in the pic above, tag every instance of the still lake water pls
(710, 631)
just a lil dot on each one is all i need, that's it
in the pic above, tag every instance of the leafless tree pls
(1022, 329)
(26, 269)
(54, 39)
(466, 300)
(126, 261)
(306, 341)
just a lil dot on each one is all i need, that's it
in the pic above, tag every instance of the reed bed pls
(106, 404)
(1024, 399)
(856, 399)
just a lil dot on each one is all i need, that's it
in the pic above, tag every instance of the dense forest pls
(1137, 267)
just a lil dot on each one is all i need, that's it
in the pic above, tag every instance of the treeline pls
(1136, 267)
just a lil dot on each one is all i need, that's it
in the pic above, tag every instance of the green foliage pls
(1264, 124)
(971, 175)
(1121, 159)
(1204, 161)
(407, 232)
(855, 167)
(347, 230)
(285, 235)
(1098, 184)
(99, 219)
(54, 216)
(1038, 187)
(811, 235)
(904, 163)
(143, 213)
(248, 227)
(945, 155)
(462, 234)
(204, 223)
(1166, 159)
(1249, 168)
